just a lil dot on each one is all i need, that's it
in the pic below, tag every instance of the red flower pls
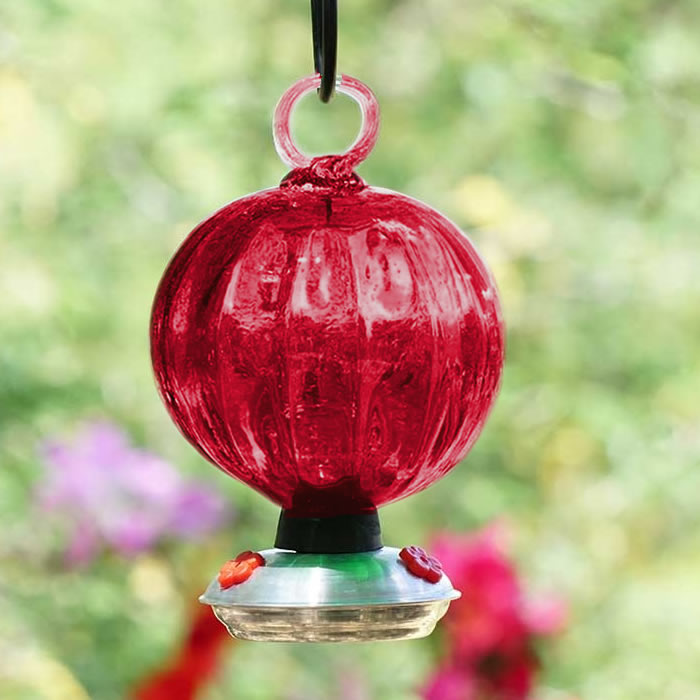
(193, 666)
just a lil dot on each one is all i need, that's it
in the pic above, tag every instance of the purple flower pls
(113, 495)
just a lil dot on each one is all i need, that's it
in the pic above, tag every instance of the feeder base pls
(364, 596)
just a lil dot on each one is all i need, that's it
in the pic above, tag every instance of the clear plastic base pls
(371, 623)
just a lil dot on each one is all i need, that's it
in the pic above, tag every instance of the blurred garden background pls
(565, 137)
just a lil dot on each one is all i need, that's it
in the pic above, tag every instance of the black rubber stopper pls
(340, 534)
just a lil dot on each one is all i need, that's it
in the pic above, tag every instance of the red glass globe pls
(332, 345)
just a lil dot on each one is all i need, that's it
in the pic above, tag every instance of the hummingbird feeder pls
(336, 347)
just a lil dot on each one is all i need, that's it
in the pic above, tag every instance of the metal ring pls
(324, 27)
(369, 130)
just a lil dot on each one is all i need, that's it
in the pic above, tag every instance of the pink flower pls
(449, 683)
(352, 685)
(545, 616)
(492, 629)
(487, 617)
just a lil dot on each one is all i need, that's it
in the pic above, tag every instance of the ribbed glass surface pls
(334, 346)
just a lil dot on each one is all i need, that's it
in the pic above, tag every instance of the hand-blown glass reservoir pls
(333, 345)
(334, 349)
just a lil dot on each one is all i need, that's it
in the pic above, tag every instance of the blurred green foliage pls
(565, 136)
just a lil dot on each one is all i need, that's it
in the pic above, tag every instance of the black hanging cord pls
(324, 26)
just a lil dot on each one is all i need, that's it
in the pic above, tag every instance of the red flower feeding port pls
(336, 347)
